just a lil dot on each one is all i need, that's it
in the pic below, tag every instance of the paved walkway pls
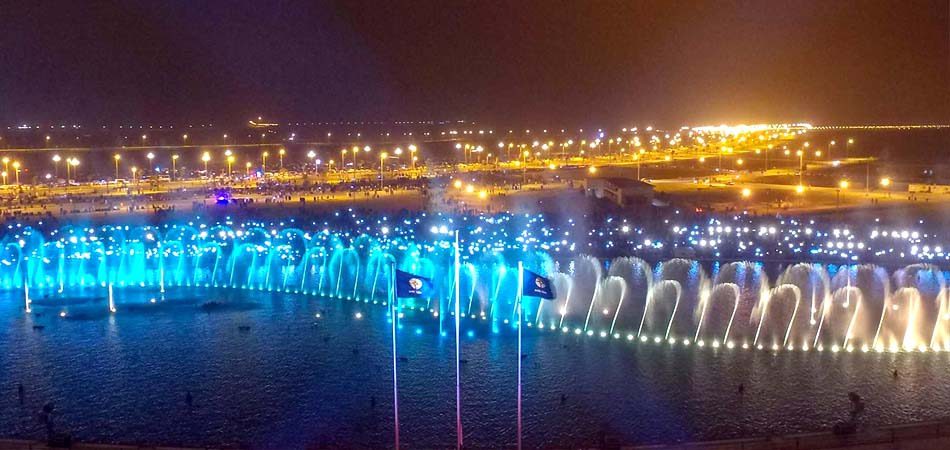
(912, 436)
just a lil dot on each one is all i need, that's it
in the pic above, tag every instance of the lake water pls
(294, 380)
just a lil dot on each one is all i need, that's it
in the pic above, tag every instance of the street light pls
(247, 169)
(382, 158)
(174, 168)
(134, 170)
(313, 155)
(230, 162)
(843, 184)
(150, 157)
(885, 182)
(4, 175)
(16, 168)
(116, 157)
(56, 160)
(801, 165)
(280, 154)
(74, 162)
(746, 192)
(264, 162)
(205, 158)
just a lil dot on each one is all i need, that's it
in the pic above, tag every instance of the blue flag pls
(409, 285)
(537, 286)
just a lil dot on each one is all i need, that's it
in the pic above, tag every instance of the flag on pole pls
(534, 285)
(410, 285)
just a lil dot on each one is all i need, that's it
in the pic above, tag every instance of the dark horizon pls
(524, 63)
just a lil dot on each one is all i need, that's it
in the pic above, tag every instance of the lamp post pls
(343, 153)
(150, 157)
(74, 161)
(247, 169)
(116, 157)
(4, 175)
(205, 158)
(174, 166)
(280, 155)
(264, 162)
(56, 160)
(524, 167)
(382, 158)
(313, 156)
(229, 159)
(134, 171)
(801, 166)
(16, 168)
(843, 184)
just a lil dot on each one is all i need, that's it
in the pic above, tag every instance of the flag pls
(409, 285)
(535, 285)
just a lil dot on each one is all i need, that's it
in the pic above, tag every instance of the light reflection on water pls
(293, 380)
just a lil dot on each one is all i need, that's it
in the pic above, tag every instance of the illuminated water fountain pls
(673, 302)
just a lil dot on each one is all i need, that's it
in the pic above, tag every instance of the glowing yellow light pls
(843, 184)
(800, 189)
(885, 182)
(457, 184)
(746, 192)
(482, 194)
(592, 169)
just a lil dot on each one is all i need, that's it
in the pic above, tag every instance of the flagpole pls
(520, 315)
(458, 379)
(393, 314)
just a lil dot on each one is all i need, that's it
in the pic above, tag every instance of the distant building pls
(618, 190)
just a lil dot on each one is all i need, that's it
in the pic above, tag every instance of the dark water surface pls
(293, 380)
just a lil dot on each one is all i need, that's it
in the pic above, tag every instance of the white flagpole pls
(394, 315)
(458, 392)
(520, 315)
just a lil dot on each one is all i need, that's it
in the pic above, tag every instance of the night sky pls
(522, 62)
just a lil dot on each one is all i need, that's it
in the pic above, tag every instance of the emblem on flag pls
(535, 285)
(411, 285)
